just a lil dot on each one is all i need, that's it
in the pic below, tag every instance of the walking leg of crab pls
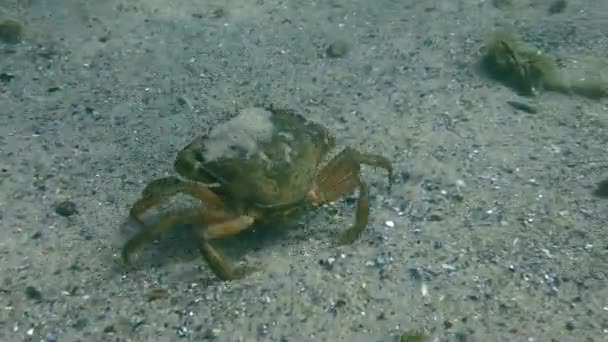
(166, 187)
(219, 264)
(168, 221)
(340, 176)
(361, 217)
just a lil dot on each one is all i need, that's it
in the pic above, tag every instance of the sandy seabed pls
(490, 232)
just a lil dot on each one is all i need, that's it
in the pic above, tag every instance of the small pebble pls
(337, 49)
(33, 293)
(155, 294)
(182, 331)
(424, 290)
(80, 323)
(448, 267)
(601, 190)
(502, 4)
(219, 13)
(390, 224)
(11, 32)
(5, 78)
(524, 107)
(558, 6)
(328, 263)
(66, 208)
(435, 217)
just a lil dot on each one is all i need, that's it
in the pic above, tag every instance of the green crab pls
(259, 166)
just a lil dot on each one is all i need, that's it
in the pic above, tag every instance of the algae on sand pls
(529, 71)
(414, 336)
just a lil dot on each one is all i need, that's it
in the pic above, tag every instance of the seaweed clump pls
(414, 336)
(521, 68)
(529, 71)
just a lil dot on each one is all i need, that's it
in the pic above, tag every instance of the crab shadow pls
(179, 244)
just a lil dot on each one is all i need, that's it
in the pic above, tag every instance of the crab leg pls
(166, 187)
(361, 217)
(218, 263)
(167, 221)
(341, 175)
(221, 227)
(162, 189)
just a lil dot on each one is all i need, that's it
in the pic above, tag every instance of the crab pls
(262, 165)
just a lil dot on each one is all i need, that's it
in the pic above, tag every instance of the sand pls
(490, 232)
